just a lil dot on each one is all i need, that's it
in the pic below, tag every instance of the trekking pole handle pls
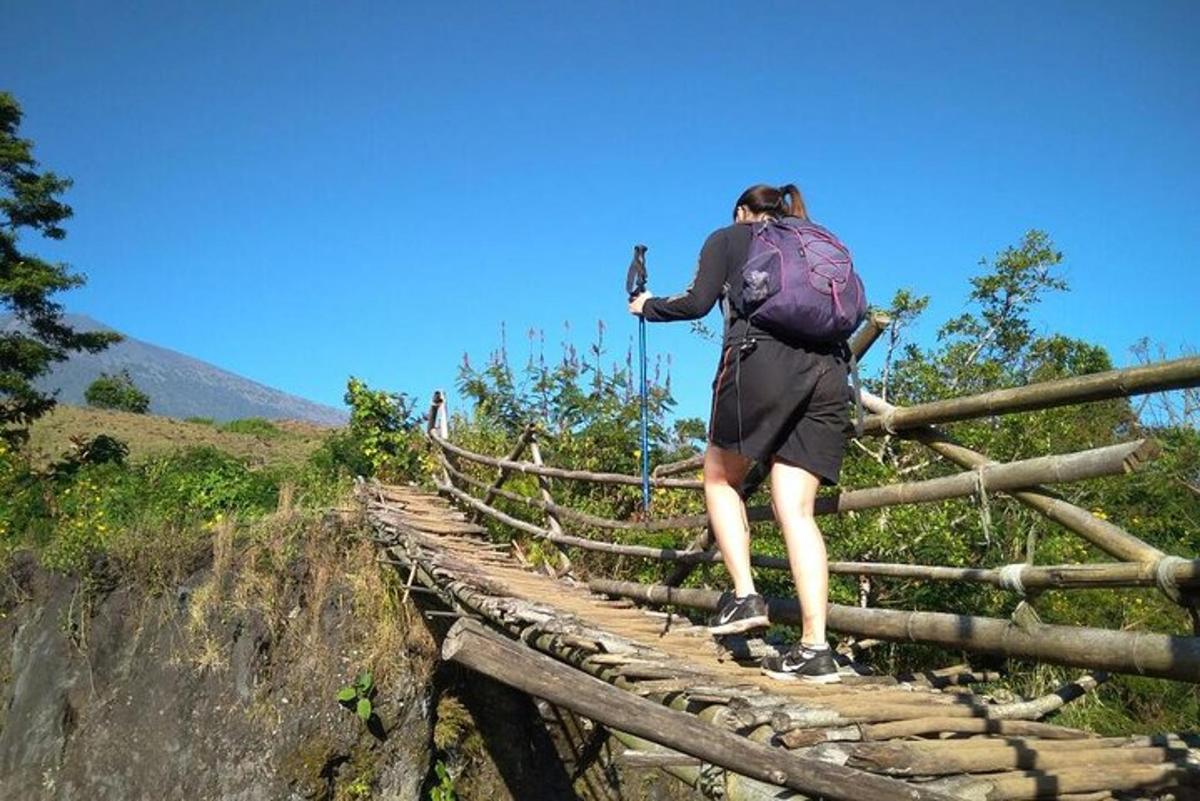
(635, 279)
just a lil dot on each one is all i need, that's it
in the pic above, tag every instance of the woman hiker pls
(775, 402)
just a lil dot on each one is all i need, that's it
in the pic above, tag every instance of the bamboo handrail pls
(1106, 536)
(990, 477)
(1015, 578)
(1176, 374)
(555, 472)
(1144, 653)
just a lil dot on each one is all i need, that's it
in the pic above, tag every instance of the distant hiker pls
(779, 397)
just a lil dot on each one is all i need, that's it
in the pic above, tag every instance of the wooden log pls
(938, 725)
(1027, 786)
(472, 646)
(688, 465)
(1093, 463)
(552, 521)
(898, 759)
(1176, 374)
(868, 333)
(1108, 537)
(1026, 744)
(1051, 702)
(503, 473)
(1030, 577)
(644, 759)
(1143, 653)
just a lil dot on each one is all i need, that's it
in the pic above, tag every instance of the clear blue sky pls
(301, 191)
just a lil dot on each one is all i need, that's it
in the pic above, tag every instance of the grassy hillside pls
(276, 443)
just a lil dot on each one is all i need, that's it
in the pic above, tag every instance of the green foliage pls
(587, 409)
(117, 392)
(385, 431)
(31, 205)
(444, 790)
(257, 426)
(341, 454)
(202, 421)
(357, 696)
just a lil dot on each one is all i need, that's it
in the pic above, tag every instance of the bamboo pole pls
(552, 521)
(896, 759)
(1145, 653)
(473, 646)
(1019, 786)
(1176, 374)
(522, 441)
(1106, 536)
(868, 333)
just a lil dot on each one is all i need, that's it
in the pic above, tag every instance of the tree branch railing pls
(1142, 565)
(1018, 578)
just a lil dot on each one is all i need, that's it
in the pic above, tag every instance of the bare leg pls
(724, 472)
(793, 492)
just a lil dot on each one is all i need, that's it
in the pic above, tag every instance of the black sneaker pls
(802, 663)
(736, 615)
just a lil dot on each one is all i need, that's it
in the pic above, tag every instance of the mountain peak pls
(178, 385)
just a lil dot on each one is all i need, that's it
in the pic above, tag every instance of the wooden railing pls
(1138, 563)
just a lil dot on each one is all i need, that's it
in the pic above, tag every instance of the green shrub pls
(117, 392)
(387, 432)
(204, 483)
(341, 454)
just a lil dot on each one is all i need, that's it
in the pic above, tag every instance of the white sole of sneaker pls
(740, 626)
(828, 678)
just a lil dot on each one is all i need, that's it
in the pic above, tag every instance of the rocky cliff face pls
(118, 701)
(222, 685)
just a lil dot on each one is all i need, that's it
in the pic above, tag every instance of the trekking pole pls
(635, 284)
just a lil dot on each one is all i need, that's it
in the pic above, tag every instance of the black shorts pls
(771, 399)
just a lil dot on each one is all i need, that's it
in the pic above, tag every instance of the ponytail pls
(770, 200)
(795, 206)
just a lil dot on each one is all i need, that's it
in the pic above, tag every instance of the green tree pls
(385, 430)
(117, 392)
(30, 205)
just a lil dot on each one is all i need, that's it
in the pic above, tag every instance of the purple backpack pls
(799, 283)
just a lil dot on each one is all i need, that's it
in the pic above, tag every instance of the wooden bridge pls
(680, 701)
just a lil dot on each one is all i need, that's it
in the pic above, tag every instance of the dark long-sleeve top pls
(718, 277)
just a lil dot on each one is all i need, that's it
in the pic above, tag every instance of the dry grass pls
(148, 436)
(288, 567)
